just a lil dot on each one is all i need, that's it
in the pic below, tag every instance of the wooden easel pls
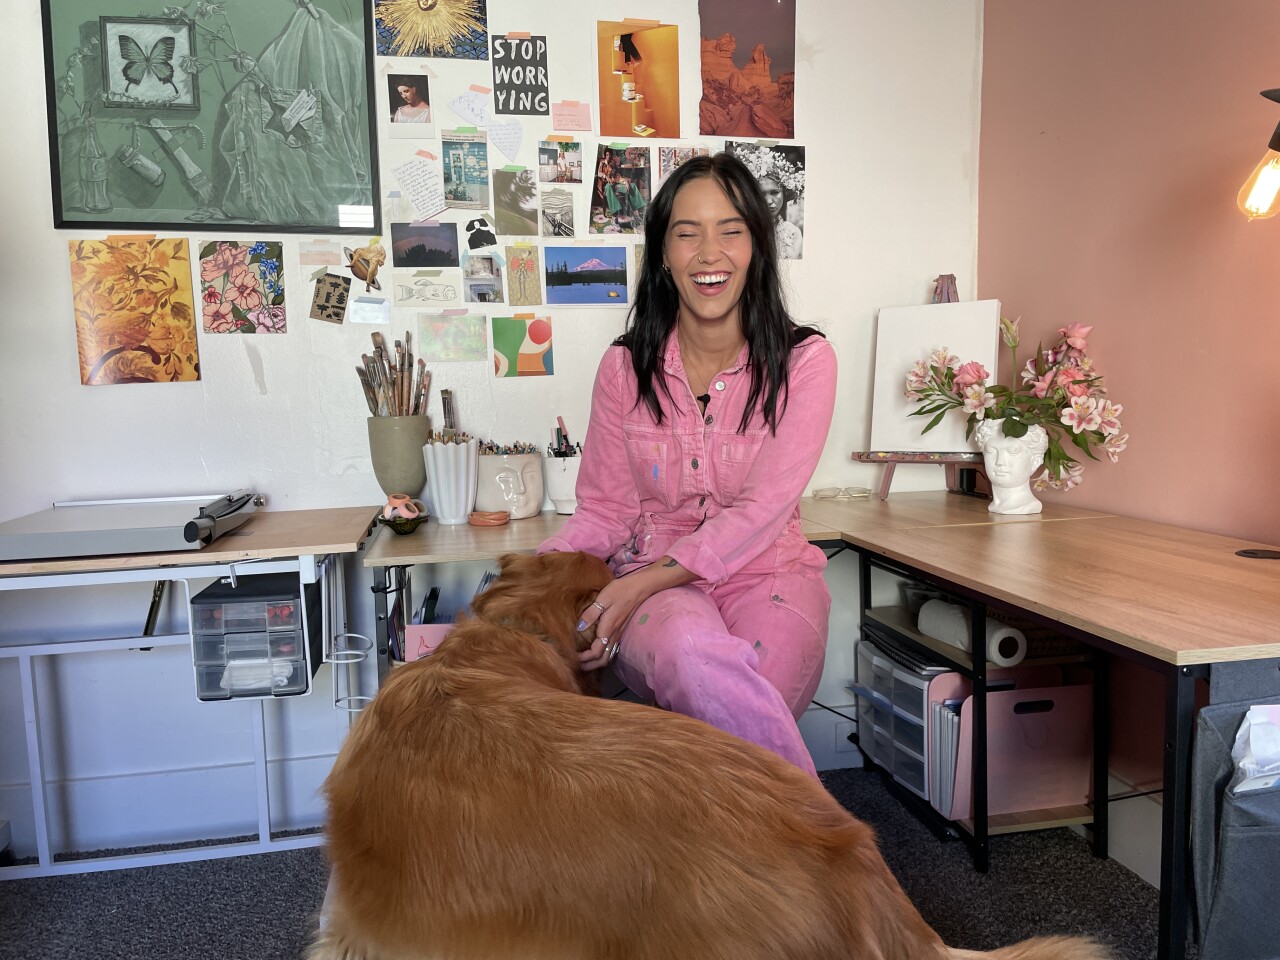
(949, 461)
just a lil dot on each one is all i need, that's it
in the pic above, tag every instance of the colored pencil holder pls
(562, 482)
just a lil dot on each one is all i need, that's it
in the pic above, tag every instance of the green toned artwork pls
(451, 335)
(522, 346)
(218, 114)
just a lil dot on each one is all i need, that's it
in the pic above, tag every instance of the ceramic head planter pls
(1010, 462)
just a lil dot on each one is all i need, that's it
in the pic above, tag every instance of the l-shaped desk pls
(1177, 600)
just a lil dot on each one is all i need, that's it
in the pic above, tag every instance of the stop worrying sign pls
(520, 76)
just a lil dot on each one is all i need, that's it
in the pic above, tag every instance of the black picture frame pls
(212, 116)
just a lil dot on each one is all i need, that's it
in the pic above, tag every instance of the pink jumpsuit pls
(743, 647)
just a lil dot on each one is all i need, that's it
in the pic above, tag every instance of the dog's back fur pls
(484, 809)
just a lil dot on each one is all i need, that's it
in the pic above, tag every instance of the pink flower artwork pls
(242, 287)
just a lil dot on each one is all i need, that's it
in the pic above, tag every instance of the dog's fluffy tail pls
(330, 945)
(1041, 948)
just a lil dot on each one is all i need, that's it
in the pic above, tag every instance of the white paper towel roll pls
(949, 623)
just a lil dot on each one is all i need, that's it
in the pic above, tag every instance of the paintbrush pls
(420, 392)
(367, 387)
(399, 377)
(408, 373)
(374, 370)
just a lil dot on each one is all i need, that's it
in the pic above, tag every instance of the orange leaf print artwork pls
(135, 311)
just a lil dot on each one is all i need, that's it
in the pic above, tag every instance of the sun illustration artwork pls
(431, 25)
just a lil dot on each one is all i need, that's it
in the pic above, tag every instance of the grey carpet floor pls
(258, 907)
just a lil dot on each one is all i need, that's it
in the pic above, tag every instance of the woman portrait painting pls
(409, 100)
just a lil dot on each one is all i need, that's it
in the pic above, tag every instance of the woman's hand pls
(613, 606)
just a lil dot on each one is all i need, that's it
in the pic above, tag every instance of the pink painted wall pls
(1114, 138)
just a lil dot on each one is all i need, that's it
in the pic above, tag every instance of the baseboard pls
(826, 735)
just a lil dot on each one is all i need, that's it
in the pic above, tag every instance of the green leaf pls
(934, 422)
(1014, 427)
(1081, 440)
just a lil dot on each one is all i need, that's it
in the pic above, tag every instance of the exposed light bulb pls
(1257, 198)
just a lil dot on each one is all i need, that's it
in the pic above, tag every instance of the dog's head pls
(546, 595)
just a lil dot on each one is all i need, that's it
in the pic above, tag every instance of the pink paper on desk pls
(571, 115)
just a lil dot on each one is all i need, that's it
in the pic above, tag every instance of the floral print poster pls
(242, 287)
(134, 309)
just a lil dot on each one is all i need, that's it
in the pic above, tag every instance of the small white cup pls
(562, 482)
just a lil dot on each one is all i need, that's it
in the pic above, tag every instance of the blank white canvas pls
(970, 330)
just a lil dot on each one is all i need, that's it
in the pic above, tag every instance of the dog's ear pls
(546, 593)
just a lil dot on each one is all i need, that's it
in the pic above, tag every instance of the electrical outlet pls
(843, 729)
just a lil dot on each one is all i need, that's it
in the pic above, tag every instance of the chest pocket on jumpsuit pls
(647, 457)
(737, 455)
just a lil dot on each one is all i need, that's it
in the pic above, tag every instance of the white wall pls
(886, 104)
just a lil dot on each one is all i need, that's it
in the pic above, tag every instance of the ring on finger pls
(597, 603)
(612, 650)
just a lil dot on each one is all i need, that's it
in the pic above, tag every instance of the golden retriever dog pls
(483, 808)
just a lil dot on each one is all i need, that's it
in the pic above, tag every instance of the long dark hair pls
(768, 328)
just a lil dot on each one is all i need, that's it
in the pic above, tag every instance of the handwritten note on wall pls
(421, 183)
(571, 115)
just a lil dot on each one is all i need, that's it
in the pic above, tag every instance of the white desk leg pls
(260, 768)
(35, 760)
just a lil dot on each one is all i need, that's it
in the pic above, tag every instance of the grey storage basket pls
(1235, 838)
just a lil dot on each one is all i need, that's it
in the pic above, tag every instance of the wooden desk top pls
(1177, 595)
(432, 543)
(921, 509)
(265, 535)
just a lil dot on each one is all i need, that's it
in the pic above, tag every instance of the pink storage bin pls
(1039, 743)
(421, 639)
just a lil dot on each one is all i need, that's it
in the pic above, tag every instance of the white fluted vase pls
(451, 480)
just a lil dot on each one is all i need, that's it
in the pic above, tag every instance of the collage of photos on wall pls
(487, 188)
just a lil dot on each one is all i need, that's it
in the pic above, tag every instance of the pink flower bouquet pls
(1060, 391)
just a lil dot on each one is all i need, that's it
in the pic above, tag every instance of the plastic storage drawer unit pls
(251, 640)
(891, 704)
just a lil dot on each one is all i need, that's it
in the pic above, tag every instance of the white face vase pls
(1009, 463)
(1008, 460)
(510, 482)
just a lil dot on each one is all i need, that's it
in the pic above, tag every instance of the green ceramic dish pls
(402, 525)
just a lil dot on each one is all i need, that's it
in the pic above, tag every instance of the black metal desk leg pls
(1101, 751)
(381, 637)
(981, 806)
(1179, 710)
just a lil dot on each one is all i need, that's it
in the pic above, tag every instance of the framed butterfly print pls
(208, 115)
(142, 63)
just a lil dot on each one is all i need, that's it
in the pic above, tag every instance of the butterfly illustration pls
(137, 64)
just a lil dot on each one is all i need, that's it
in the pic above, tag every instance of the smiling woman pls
(708, 417)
